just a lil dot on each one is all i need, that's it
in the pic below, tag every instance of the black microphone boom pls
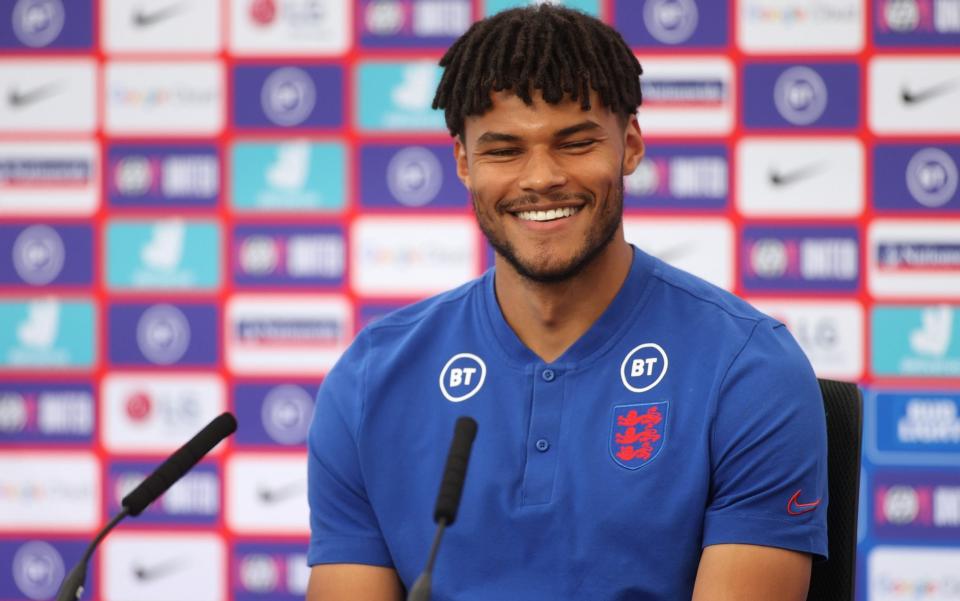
(448, 500)
(149, 490)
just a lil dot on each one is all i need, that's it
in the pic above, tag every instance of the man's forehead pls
(510, 111)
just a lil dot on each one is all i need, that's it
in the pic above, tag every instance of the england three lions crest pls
(638, 433)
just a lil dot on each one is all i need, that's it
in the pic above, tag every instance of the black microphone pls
(149, 490)
(448, 499)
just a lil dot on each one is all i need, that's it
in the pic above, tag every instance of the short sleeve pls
(769, 449)
(343, 526)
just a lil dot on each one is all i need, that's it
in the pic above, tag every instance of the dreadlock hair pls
(556, 50)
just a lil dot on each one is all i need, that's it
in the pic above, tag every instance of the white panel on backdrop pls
(286, 334)
(687, 96)
(292, 27)
(49, 492)
(156, 413)
(411, 257)
(148, 566)
(829, 332)
(267, 494)
(927, 573)
(48, 95)
(164, 98)
(914, 95)
(701, 245)
(795, 26)
(166, 26)
(914, 258)
(815, 177)
(45, 178)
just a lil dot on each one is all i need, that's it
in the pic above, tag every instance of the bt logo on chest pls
(462, 377)
(643, 367)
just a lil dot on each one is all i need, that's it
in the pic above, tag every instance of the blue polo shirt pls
(682, 418)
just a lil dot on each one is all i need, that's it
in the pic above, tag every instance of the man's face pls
(547, 180)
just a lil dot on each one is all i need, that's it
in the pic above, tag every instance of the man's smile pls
(548, 214)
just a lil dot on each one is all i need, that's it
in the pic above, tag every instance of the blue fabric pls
(601, 475)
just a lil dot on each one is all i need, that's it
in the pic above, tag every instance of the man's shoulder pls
(442, 308)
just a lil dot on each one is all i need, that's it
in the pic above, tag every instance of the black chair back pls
(833, 580)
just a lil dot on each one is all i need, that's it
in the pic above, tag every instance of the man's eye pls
(502, 152)
(580, 144)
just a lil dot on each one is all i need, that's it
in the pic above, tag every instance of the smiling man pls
(642, 434)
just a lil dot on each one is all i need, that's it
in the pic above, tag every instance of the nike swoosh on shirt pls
(147, 574)
(142, 18)
(279, 493)
(795, 507)
(911, 97)
(19, 99)
(780, 179)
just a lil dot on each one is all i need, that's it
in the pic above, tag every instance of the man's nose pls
(542, 173)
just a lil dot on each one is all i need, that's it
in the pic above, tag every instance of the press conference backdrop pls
(201, 202)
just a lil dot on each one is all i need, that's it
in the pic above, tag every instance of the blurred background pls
(201, 202)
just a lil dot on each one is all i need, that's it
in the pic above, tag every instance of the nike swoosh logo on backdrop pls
(780, 179)
(669, 254)
(19, 99)
(159, 570)
(917, 97)
(795, 507)
(280, 493)
(142, 18)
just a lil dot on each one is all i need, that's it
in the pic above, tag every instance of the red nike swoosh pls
(795, 507)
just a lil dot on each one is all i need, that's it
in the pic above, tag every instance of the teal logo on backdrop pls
(169, 253)
(916, 341)
(398, 97)
(46, 333)
(293, 175)
(588, 6)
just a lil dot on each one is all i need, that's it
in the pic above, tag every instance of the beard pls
(599, 236)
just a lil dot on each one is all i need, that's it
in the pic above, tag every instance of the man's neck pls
(549, 317)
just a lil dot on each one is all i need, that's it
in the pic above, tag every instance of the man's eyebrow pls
(566, 132)
(493, 136)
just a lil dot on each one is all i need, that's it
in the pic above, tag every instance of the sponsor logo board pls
(287, 96)
(46, 413)
(914, 258)
(41, 178)
(830, 333)
(703, 245)
(821, 177)
(269, 570)
(917, 23)
(267, 494)
(273, 414)
(290, 176)
(163, 334)
(687, 96)
(800, 258)
(286, 334)
(912, 573)
(801, 26)
(291, 28)
(917, 341)
(40, 25)
(672, 23)
(49, 492)
(410, 177)
(43, 255)
(810, 95)
(164, 98)
(163, 254)
(169, 27)
(395, 96)
(48, 96)
(915, 177)
(407, 257)
(679, 177)
(151, 566)
(151, 413)
(288, 255)
(913, 96)
(916, 505)
(163, 176)
(194, 499)
(412, 23)
(34, 334)
(912, 427)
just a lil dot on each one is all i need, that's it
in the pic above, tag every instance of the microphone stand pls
(72, 586)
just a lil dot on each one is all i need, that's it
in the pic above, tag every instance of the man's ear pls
(460, 155)
(633, 147)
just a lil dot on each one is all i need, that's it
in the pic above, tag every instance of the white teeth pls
(548, 215)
